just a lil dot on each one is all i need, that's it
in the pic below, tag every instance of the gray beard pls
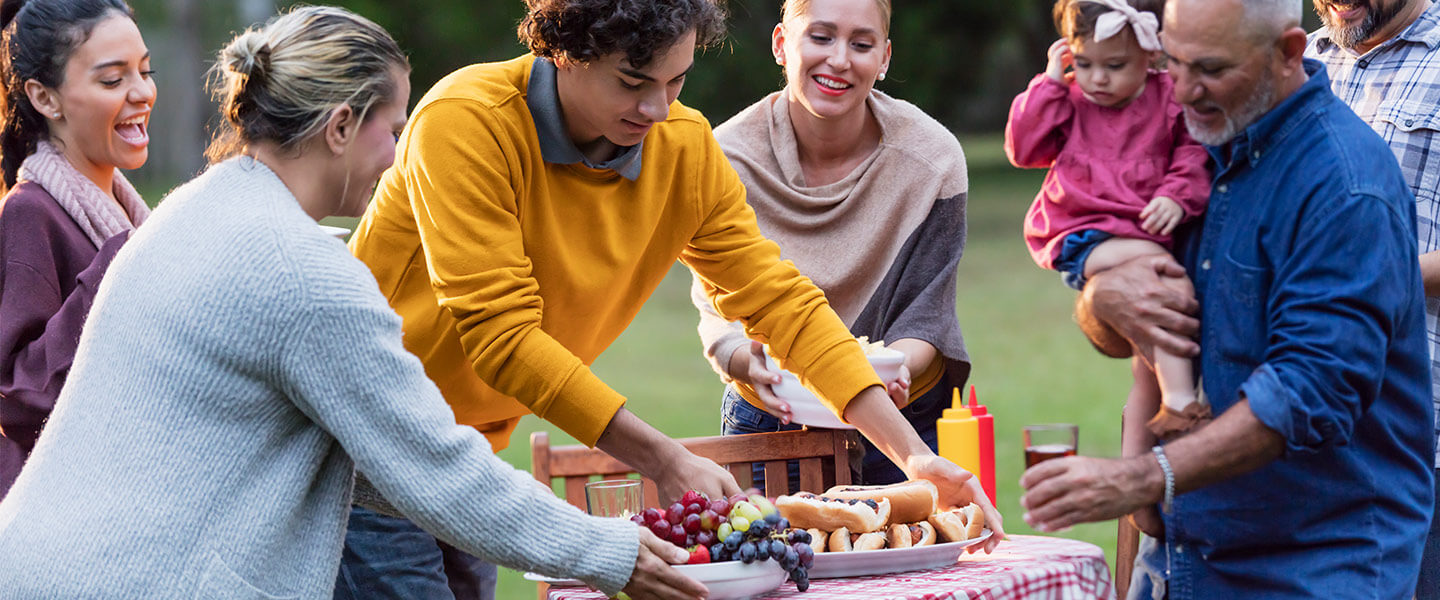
(1260, 102)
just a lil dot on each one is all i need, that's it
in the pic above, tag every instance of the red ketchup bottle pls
(987, 445)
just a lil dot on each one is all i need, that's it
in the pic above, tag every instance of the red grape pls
(677, 535)
(721, 506)
(691, 523)
(694, 508)
(661, 529)
(675, 512)
(651, 515)
(709, 520)
(705, 538)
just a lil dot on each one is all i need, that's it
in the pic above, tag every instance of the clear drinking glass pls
(614, 498)
(1051, 440)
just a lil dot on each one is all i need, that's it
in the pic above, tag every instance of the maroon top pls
(49, 271)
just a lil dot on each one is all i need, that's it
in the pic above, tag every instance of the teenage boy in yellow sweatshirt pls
(536, 203)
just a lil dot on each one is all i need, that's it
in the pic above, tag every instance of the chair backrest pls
(823, 456)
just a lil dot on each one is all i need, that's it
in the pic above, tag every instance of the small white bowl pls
(733, 579)
(806, 409)
(339, 232)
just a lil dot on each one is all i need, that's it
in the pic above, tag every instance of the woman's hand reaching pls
(747, 366)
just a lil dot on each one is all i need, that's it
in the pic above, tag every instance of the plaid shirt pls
(1395, 87)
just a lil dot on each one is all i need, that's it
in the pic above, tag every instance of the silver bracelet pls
(1169, 477)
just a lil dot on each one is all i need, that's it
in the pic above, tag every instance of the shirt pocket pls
(1413, 132)
(1239, 319)
(219, 582)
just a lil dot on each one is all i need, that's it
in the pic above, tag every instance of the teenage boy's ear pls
(341, 128)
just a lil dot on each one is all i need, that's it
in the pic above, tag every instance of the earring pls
(881, 77)
(780, 61)
(57, 115)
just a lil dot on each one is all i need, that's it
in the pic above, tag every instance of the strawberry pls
(699, 555)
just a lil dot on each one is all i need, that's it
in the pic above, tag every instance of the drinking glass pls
(1051, 440)
(614, 498)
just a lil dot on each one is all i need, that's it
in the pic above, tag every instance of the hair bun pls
(8, 10)
(249, 54)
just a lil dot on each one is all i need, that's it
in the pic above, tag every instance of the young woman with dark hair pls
(239, 365)
(75, 100)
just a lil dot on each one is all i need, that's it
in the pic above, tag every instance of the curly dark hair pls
(1075, 19)
(584, 30)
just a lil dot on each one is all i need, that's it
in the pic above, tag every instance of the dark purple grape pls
(803, 536)
(777, 548)
(806, 554)
(762, 549)
(733, 542)
(773, 519)
(783, 524)
(718, 553)
(801, 578)
(747, 553)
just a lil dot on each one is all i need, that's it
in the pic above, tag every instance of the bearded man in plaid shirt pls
(1383, 58)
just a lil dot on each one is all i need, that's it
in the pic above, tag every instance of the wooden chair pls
(823, 454)
(1127, 544)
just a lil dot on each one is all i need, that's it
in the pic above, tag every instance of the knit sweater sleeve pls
(1035, 131)
(719, 338)
(41, 328)
(347, 369)
(461, 185)
(742, 273)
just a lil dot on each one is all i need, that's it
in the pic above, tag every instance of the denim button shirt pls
(1312, 308)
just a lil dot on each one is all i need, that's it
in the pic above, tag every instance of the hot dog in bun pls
(959, 524)
(908, 535)
(805, 510)
(910, 501)
(841, 540)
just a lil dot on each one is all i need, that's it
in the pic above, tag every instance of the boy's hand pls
(1161, 216)
(1060, 59)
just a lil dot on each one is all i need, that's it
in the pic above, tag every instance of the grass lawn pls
(1031, 364)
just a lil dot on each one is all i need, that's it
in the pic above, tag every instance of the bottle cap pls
(975, 407)
(957, 409)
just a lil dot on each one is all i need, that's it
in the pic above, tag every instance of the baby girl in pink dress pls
(1123, 174)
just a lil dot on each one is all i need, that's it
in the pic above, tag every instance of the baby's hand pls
(1161, 216)
(1060, 58)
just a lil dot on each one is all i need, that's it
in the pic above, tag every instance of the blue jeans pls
(1428, 587)
(739, 417)
(1147, 581)
(390, 557)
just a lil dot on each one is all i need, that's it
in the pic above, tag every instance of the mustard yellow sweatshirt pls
(512, 274)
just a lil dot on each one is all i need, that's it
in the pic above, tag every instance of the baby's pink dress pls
(1105, 164)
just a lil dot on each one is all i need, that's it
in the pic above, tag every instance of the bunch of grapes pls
(744, 527)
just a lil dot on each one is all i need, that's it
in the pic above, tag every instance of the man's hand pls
(1161, 216)
(653, 576)
(1079, 489)
(1060, 58)
(673, 468)
(747, 366)
(1146, 302)
(958, 487)
(685, 472)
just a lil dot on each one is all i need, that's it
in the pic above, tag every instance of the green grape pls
(739, 523)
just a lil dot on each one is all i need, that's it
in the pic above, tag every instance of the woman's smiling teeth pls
(832, 83)
(133, 130)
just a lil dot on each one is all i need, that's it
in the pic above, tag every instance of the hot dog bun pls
(959, 524)
(805, 510)
(910, 501)
(817, 539)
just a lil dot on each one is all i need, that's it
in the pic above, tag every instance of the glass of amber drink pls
(1051, 440)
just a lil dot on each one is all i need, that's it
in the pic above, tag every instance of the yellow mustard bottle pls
(958, 434)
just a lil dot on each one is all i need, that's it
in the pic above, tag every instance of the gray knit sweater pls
(237, 359)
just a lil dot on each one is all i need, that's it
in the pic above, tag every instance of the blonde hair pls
(280, 83)
(795, 8)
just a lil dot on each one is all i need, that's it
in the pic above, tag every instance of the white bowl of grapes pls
(739, 546)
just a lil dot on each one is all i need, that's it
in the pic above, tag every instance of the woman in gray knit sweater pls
(239, 365)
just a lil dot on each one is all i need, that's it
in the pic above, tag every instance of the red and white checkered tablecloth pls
(1023, 567)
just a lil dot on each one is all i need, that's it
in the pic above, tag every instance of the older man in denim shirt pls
(1315, 480)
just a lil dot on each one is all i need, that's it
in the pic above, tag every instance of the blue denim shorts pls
(1074, 250)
